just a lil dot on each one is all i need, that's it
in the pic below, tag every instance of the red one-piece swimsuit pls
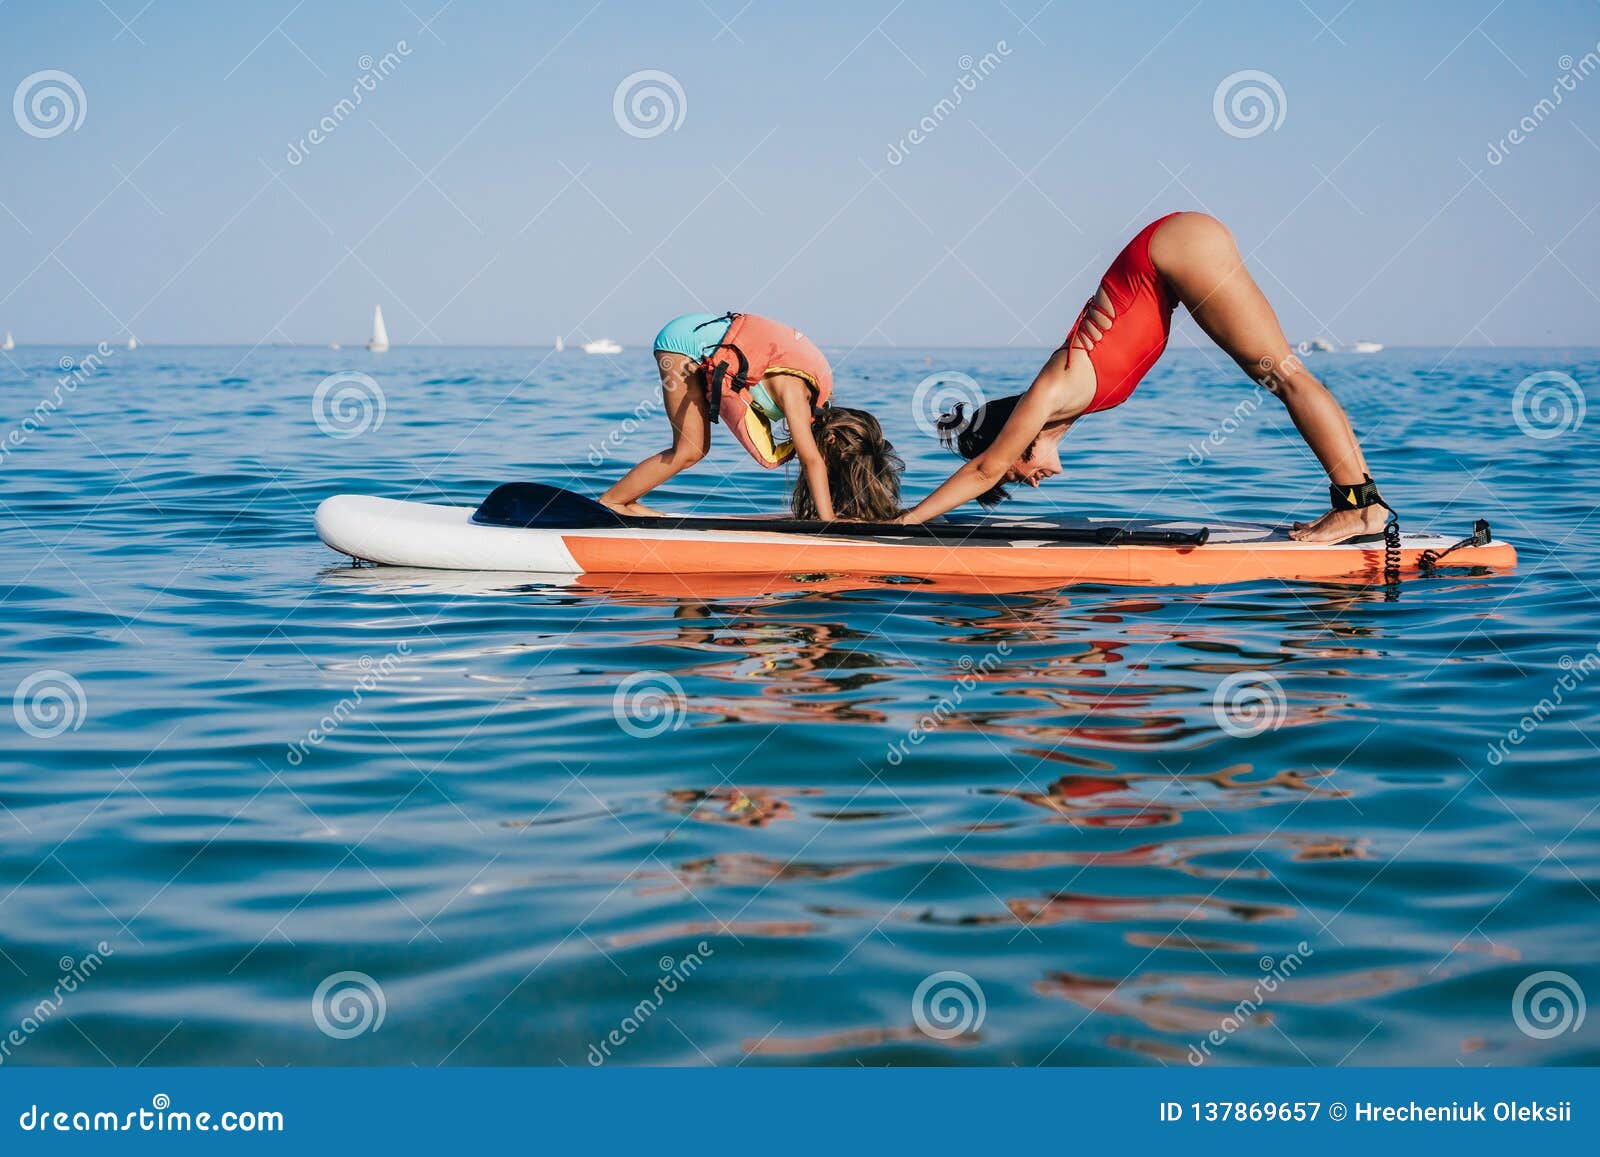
(1136, 299)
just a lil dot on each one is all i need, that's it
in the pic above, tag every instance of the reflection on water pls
(1250, 825)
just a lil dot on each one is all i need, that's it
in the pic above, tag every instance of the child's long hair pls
(863, 469)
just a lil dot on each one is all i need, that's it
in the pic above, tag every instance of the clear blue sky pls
(485, 192)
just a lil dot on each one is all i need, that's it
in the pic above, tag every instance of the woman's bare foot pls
(1338, 525)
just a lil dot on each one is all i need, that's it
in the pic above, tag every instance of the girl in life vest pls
(750, 373)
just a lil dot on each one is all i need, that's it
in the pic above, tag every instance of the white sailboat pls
(603, 345)
(133, 342)
(10, 342)
(380, 334)
(560, 345)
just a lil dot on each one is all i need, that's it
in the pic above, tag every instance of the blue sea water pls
(259, 807)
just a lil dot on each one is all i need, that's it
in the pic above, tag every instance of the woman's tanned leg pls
(1197, 256)
(684, 394)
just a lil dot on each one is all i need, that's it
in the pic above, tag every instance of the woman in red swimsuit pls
(1188, 259)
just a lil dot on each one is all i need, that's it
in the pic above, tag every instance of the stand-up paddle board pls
(527, 526)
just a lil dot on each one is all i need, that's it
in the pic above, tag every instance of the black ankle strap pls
(1357, 495)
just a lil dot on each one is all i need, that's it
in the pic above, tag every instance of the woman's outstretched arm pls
(1041, 404)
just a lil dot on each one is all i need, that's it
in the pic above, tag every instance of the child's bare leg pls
(684, 394)
(1201, 263)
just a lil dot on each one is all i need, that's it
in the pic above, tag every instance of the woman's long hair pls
(863, 469)
(970, 435)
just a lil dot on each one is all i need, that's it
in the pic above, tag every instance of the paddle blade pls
(535, 505)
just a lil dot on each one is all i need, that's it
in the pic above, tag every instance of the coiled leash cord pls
(1364, 494)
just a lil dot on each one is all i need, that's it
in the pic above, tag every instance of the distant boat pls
(133, 342)
(560, 345)
(333, 345)
(1366, 347)
(9, 343)
(1323, 345)
(602, 345)
(380, 335)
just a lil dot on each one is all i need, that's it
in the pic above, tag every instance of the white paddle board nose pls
(392, 533)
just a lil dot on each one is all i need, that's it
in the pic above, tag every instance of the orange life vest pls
(753, 348)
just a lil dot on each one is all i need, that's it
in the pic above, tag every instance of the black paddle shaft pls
(535, 506)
